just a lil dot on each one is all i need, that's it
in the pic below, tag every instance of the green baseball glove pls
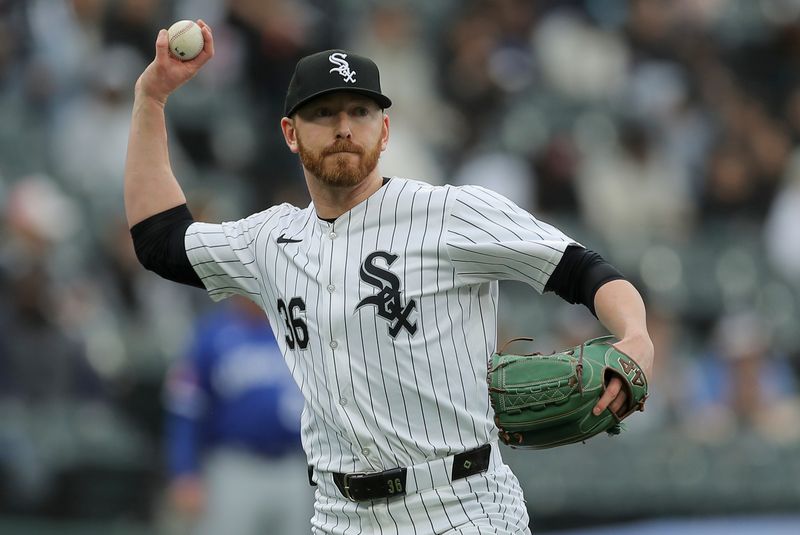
(543, 401)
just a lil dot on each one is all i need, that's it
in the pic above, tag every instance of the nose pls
(343, 126)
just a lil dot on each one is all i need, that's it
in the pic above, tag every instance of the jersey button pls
(331, 288)
(342, 401)
(365, 452)
(334, 344)
(332, 235)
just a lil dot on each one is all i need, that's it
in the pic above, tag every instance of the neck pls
(331, 202)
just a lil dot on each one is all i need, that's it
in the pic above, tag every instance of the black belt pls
(362, 486)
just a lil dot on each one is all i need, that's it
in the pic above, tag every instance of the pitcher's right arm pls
(150, 186)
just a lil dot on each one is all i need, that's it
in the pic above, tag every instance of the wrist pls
(637, 336)
(640, 342)
(144, 95)
(146, 98)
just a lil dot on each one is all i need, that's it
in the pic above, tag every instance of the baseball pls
(185, 40)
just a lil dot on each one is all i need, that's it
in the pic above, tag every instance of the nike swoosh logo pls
(283, 239)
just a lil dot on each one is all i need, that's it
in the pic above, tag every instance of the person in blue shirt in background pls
(236, 464)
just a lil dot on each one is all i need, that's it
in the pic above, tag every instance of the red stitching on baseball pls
(182, 31)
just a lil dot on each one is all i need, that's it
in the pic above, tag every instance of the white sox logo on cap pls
(342, 67)
(314, 77)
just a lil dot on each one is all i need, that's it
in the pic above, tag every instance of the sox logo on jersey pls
(426, 260)
(387, 300)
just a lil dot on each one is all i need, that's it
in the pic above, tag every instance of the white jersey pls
(386, 316)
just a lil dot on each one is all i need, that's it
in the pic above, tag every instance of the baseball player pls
(383, 292)
(233, 429)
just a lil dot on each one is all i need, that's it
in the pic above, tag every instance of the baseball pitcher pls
(383, 292)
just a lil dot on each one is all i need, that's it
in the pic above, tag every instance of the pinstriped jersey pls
(386, 316)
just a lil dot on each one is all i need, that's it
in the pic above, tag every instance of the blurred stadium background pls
(663, 134)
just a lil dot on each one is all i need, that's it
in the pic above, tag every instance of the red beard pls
(335, 169)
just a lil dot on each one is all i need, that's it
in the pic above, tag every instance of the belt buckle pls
(346, 484)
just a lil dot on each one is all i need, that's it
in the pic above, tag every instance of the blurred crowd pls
(663, 134)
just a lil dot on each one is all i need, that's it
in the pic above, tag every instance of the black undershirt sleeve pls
(579, 274)
(159, 245)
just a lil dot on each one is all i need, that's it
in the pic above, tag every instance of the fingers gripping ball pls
(543, 401)
(185, 40)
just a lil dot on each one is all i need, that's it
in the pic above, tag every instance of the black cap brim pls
(382, 100)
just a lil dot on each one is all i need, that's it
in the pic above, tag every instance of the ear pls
(385, 132)
(290, 134)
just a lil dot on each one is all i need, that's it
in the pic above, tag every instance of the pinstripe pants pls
(486, 503)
